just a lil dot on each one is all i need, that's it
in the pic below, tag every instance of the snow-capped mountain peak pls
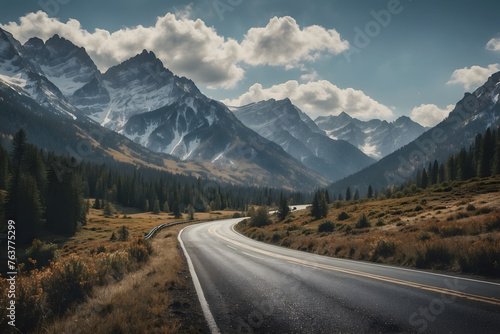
(289, 127)
(376, 138)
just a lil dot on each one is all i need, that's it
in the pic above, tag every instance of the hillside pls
(453, 227)
(471, 115)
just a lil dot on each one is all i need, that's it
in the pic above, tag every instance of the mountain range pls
(472, 115)
(376, 138)
(139, 112)
(292, 129)
(115, 103)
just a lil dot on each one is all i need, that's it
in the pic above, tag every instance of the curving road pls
(246, 286)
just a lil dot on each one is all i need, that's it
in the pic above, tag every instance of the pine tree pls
(315, 209)
(166, 208)
(323, 206)
(356, 195)
(2, 210)
(451, 169)
(369, 194)
(176, 210)
(65, 203)
(348, 195)
(4, 167)
(425, 179)
(23, 203)
(156, 207)
(145, 206)
(97, 204)
(496, 158)
(486, 155)
(442, 174)
(19, 147)
(435, 172)
(109, 210)
(328, 201)
(284, 208)
(190, 211)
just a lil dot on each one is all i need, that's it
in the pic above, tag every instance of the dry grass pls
(97, 285)
(456, 231)
(155, 299)
(99, 228)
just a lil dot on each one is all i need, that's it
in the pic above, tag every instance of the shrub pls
(384, 248)
(423, 236)
(451, 231)
(380, 222)
(237, 215)
(363, 221)
(41, 252)
(343, 216)
(484, 210)
(71, 281)
(435, 255)
(327, 226)
(140, 250)
(418, 208)
(276, 238)
(123, 233)
(481, 258)
(261, 218)
(471, 207)
(493, 223)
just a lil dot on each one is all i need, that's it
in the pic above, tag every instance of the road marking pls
(212, 230)
(212, 325)
(253, 256)
(232, 247)
(378, 265)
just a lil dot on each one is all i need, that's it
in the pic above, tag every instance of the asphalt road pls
(246, 286)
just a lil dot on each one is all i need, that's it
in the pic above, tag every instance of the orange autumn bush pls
(44, 294)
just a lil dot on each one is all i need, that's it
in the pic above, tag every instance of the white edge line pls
(214, 329)
(376, 264)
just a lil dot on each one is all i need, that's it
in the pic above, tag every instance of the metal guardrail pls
(162, 226)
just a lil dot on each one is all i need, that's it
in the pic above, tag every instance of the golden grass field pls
(455, 229)
(124, 291)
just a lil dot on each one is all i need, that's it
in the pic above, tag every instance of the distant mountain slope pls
(471, 115)
(286, 125)
(28, 79)
(66, 65)
(375, 138)
(179, 120)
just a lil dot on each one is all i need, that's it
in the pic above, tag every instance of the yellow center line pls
(213, 230)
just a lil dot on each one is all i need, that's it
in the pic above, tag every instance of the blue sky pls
(407, 67)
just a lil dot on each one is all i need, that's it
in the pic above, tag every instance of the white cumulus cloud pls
(473, 77)
(430, 114)
(317, 98)
(493, 44)
(189, 47)
(282, 42)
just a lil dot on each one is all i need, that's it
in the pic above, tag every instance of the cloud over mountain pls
(318, 98)
(190, 47)
(473, 77)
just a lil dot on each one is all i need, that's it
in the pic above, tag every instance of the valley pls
(249, 168)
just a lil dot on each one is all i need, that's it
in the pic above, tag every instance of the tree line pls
(43, 193)
(481, 159)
